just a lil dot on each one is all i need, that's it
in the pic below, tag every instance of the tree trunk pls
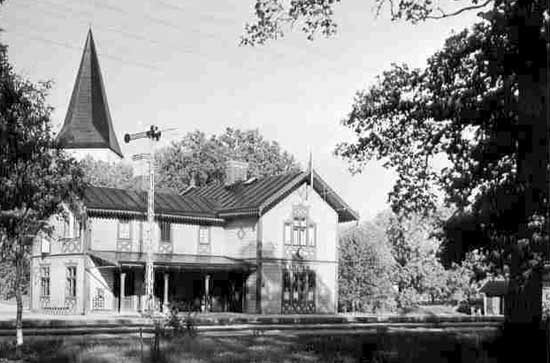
(524, 27)
(19, 298)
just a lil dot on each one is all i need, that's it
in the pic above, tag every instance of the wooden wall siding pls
(124, 245)
(240, 239)
(205, 249)
(104, 234)
(58, 292)
(166, 247)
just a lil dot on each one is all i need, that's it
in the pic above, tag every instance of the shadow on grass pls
(512, 344)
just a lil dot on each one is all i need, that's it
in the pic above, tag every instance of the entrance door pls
(298, 291)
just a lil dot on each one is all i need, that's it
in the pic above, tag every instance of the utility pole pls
(153, 134)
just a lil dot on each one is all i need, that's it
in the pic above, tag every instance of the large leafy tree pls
(517, 70)
(418, 273)
(36, 176)
(196, 158)
(202, 159)
(365, 268)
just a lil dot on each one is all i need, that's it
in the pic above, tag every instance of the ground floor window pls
(45, 281)
(298, 290)
(71, 281)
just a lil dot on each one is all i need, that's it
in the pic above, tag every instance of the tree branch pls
(459, 11)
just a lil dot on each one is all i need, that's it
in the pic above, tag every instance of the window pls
(66, 227)
(123, 229)
(204, 235)
(165, 231)
(71, 281)
(311, 235)
(288, 233)
(77, 227)
(45, 281)
(299, 233)
(45, 246)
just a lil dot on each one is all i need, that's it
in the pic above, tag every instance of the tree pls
(36, 176)
(364, 269)
(109, 174)
(418, 273)
(203, 158)
(522, 61)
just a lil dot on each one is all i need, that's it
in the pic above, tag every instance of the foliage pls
(36, 176)
(196, 157)
(109, 174)
(418, 273)
(365, 266)
(273, 17)
(7, 276)
(203, 158)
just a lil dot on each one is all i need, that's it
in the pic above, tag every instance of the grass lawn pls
(406, 346)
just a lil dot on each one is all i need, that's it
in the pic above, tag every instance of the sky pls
(178, 65)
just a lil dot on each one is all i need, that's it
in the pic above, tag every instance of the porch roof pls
(191, 262)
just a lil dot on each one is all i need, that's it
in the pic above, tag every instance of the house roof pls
(257, 196)
(495, 288)
(215, 202)
(88, 121)
(104, 201)
(110, 258)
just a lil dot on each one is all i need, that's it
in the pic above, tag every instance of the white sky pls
(178, 64)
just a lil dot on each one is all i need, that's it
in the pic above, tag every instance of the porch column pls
(165, 300)
(206, 292)
(122, 282)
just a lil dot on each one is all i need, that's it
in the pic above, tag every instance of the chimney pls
(235, 171)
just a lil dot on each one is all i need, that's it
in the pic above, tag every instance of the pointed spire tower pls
(88, 123)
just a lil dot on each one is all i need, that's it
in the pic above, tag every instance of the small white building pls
(493, 292)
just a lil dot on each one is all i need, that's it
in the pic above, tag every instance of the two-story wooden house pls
(259, 246)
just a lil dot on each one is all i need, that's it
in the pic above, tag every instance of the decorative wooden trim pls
(115, 214)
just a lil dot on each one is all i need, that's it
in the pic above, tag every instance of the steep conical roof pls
(88, 122)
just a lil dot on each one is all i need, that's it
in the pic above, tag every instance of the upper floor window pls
(71, 281)
(77, 227)
(45, 281)
(166, 231)
(300, 232)
(204, 235)
(124, 229)
(66, 227)
(45, 246)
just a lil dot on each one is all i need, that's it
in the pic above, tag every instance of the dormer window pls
(124, 229)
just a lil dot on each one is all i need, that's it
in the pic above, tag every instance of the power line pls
(79, 49)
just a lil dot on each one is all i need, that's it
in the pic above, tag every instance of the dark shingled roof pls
(136, 201)
(495, 288)
(217, 201)
(88, 121)
(257, 196)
